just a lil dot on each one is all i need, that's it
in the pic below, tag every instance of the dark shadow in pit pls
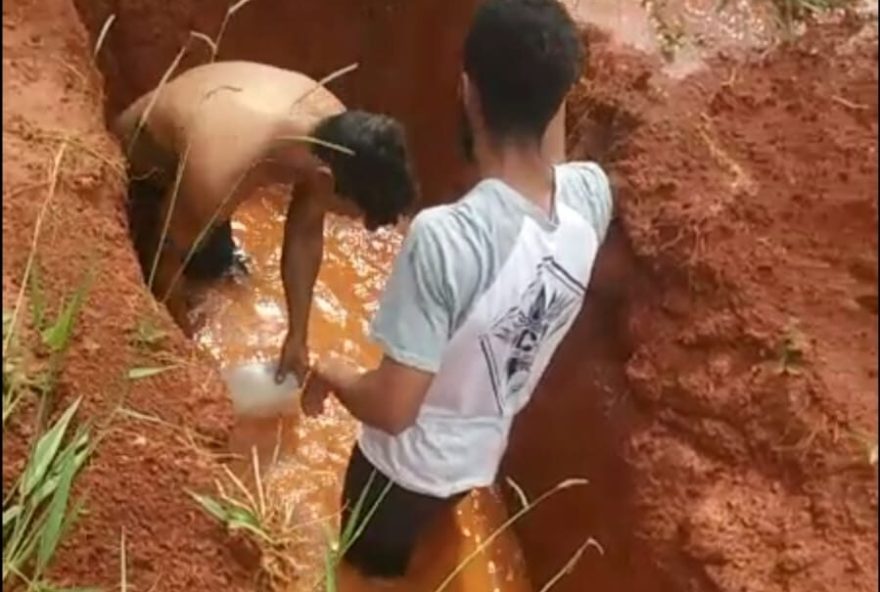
(576, 426)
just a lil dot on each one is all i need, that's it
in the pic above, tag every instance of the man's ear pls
(470, 98)
(464, 88)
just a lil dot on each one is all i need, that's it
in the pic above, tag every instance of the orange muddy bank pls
(748, 211)
(722, 394)
(138, 475)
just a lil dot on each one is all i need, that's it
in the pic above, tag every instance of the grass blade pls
(10, 514)
(350, 526)
(45, 451)
(497, 532)
(572, 561)
(51, 533)
(57, 336)
(141, 373)
(238, 6)
(363, 523)
(123, 570)
(318, 142)
(232, 516)
(330, 567)
(76, 453)
(73, 516)
(145, 114)
(520, 493)
(209, 505)
(38, 296)
(103, 35)
(53, 182)
(247, 521)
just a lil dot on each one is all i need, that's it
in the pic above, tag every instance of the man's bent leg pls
(388, 538)
(169, 283)
(215, 255)
(144, 201)
(168, 288)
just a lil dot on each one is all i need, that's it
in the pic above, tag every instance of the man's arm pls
(412, 326)
(301, 256)
(387, 398)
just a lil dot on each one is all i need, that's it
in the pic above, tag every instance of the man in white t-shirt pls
(482, 292)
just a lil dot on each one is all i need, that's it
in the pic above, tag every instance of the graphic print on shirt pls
(514, 340)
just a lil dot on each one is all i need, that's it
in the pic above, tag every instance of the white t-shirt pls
(481, 294)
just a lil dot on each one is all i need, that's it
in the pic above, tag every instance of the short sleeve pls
(413, 322)
(589, 192)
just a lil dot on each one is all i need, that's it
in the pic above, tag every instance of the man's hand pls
(294, 358)
(313, 395)
(329, 375)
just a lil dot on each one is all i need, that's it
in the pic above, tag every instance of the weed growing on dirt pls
(38, 226)
(36, 511)
(148, 335)
(354, 528)
(55, 336)
(265, 518)
(792, 13)
(21, 374)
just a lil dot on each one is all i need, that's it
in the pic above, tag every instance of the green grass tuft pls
(37, 511)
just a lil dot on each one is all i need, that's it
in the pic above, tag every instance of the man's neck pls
(524, 169)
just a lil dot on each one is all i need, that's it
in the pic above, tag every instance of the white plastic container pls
(254, 390)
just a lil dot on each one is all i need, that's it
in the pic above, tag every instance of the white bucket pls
(254, 390)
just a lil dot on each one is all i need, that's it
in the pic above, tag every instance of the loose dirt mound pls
(738, 414)
(138, 476)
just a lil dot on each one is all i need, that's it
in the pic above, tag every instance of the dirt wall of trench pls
(720, 387)
(137, 479)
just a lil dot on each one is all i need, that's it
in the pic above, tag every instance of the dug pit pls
(718, 390)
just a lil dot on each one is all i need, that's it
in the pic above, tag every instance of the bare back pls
(228, 118)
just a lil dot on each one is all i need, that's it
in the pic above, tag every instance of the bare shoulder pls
(125, 122)
(252, 78)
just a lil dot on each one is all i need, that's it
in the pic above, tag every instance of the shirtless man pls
(218, 132)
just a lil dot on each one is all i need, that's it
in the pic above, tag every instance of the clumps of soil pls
(753, 200)
(137, 479)
(744, 415)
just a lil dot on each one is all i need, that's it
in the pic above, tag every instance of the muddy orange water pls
(244, 319)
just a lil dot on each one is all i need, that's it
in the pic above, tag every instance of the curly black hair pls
(523, 56)
(377, 176)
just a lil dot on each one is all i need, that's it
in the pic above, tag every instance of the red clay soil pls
(748, 217)
(749, 197)
(137, 478)
(408, 55)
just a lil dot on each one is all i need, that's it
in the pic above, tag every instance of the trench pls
(243, 319)
(580, 415)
